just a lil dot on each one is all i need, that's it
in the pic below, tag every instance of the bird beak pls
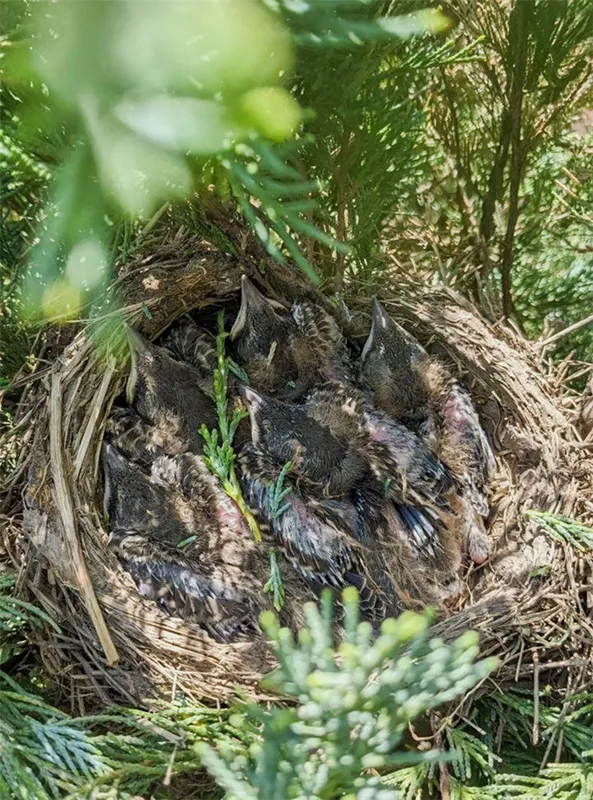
(111, 462)
(250, 397)
(380, 318)
(379, 321)
(251, 300)
(137, 342)
(138, 346)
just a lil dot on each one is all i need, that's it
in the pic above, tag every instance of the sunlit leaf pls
(424, 21)
(138, 173)
(210, 47)
(181, 123)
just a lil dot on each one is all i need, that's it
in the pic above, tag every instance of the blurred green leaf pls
(181, 123)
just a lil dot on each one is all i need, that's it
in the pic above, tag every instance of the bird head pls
(387, 338)
(288, 432)
(256, 313)
(170, 394)
(391, 364)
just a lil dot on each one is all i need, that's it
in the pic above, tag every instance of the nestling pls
(214, 587)
(419, 390)
(172, 395)
(288, 432)
(187, 342)
(262, 335)
(318, 538)
(392, 366)
(284, 353)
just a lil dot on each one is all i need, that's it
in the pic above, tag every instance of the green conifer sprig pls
(564, 529)
(220, 457)
(354, 703)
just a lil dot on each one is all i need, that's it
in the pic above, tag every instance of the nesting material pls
(119, 645)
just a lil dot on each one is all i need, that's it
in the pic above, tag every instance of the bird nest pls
(530, 602)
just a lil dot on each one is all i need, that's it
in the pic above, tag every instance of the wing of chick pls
(413, 469)
(465, 437)
(214, 597)
(316, 538)
(422, 487)
(319, 348)
(169, 394)
(186, 341)
(465, 447)
(137, 440)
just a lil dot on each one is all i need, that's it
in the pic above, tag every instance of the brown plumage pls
(380, 470)
(186, 341)
(463, 445)
(138, 440)
(330, 545)
(330, 460)
(414, 388)
(392, 367)
(187, 546)
(285, 353)
(262, 335)
(171, 395)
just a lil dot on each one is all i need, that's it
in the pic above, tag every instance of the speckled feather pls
(319, 537)
(139, 441)
(186, 341)
(217, 599)
(420, 391)
(292, 433)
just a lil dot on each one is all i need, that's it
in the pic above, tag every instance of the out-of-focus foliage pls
(461, 155)
(151, 98)
(352, 706)
(503, 210)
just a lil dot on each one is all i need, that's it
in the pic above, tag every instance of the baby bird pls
(171, 395)
(218, 585)
(392, 366)
(338, 447)
(262, 335)
(330, 460)
(319, 538)
(137, 440)
(286, 353)
(418, 390)
(337, 542)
